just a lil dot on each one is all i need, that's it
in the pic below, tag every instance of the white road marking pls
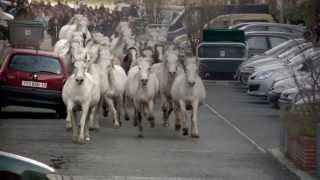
(238, 130)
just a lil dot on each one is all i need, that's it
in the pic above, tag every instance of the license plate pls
(34, 84)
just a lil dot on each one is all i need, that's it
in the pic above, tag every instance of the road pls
(235, 131)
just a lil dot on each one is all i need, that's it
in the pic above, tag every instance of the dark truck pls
(220, 53)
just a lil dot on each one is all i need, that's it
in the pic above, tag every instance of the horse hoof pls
(140, 136)
(88, 139)
(81, 140)
(185, 131)
(135, 123)
(195, 136)
(177, 127)
(116, 126)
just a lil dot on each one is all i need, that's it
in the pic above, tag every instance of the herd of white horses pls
(126, 72)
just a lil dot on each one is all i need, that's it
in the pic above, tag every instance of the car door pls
(275, 41)
(35, 71)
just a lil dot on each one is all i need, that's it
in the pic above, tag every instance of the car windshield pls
(35, 64)
(221, 52)
(282, 47)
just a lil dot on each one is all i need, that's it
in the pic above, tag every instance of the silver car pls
(260, 82)
(275, 27)
(247, 69)
(260, 41)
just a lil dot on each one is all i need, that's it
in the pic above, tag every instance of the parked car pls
(301, 104)
(247, 69)
(287, 97)
(298, 98)
(274, 27)
(32, 78)
(260, 41)
(277, 50)
(224, 21)
(281, 85)
(261, 81)
(15, 167)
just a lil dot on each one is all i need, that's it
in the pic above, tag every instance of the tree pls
(153, 8)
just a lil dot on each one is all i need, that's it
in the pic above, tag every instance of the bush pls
(300, 124)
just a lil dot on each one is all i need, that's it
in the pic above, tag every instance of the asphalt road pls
(222, 152)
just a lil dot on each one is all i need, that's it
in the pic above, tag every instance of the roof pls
(32, 51)
(291, 26)
(243, 16)
(271, 33)
(223, 35)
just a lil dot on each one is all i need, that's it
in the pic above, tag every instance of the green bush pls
(300, 123)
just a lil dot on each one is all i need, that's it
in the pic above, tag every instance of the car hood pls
(22, 165)
(5, 16)
(269, 67)
(291, 82)
(257, 61)
(254, 59)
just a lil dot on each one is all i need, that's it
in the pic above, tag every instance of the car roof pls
(271, 33)
(291, 26)
(245, 16)
(32, 51)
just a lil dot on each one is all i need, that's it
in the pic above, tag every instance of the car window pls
(296, 31)
(31, 63)
(275, 41)
(279, 48)
(221, 52)
(278, 29)
(257, 28)
(257, 43)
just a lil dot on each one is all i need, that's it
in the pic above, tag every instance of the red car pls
(32, 78)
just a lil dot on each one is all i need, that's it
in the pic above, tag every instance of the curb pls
(278, 155)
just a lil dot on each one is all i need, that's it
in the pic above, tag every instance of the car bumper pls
(244, 77)
(30, 97)
(273, 97)
(259, 87)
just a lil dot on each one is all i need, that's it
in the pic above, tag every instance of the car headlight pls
(249, 69)
(289, 96)
(264, 75)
